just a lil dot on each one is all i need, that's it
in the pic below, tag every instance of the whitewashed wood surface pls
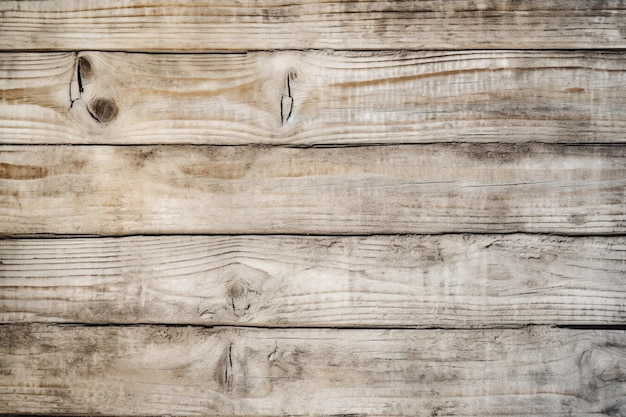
(113, 190)
(472, 152)
(312, 97)
(292, 281)
(146, 370)
(226, 25)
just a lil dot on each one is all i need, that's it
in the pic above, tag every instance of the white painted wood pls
(125, 190)
(306, 98)
(385, 281)
(159, 370)
(220, 25)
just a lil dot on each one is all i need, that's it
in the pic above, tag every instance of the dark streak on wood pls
(22, 172)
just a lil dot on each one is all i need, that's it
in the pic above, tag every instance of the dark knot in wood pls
(85, 71)
(102, 110)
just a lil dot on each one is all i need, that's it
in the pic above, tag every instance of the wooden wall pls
(313, 208)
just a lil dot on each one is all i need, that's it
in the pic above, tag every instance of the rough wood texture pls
(210, 25)
(392, 281)
(391, 189)
(313, 97)
(192, 371)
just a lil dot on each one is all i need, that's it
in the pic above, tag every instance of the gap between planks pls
(610, 327)
(44, 236)
(305, 50)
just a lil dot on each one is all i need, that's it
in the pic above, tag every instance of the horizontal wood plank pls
(307, 98)
(113, 190)
(275, 281)
(210, 25)
(231, 372)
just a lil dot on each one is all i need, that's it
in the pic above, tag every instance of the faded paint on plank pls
(388, 281)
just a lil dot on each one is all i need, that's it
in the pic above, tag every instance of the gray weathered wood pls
(114, 190)
(313, 98)
(390, 281)
(160, 370)
(270, 307)
(210, 25)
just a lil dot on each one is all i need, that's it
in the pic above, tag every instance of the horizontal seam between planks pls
(172, 51)
(44, 236)
(287, 145)
(618, 327)
(245, 51)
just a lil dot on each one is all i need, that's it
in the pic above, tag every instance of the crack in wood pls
(100, 109)
(286, 102)
(79, 77)
(75, 83)
(228, 370)
(223, 373)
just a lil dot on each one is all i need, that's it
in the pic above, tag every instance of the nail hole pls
(102, 110)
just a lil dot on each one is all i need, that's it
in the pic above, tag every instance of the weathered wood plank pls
(193, 371)
(313, 98)
(390, 281)
(114, 190)
(210, 25)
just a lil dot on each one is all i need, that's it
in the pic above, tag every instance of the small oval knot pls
(102, 110)
(238, 289)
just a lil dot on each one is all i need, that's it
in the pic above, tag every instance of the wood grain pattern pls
(307, 98)
(386, 281)
(498, 117)
(230, 372)
(114, 190)
(210, 25)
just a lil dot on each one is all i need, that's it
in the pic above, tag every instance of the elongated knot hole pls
(85, 69)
